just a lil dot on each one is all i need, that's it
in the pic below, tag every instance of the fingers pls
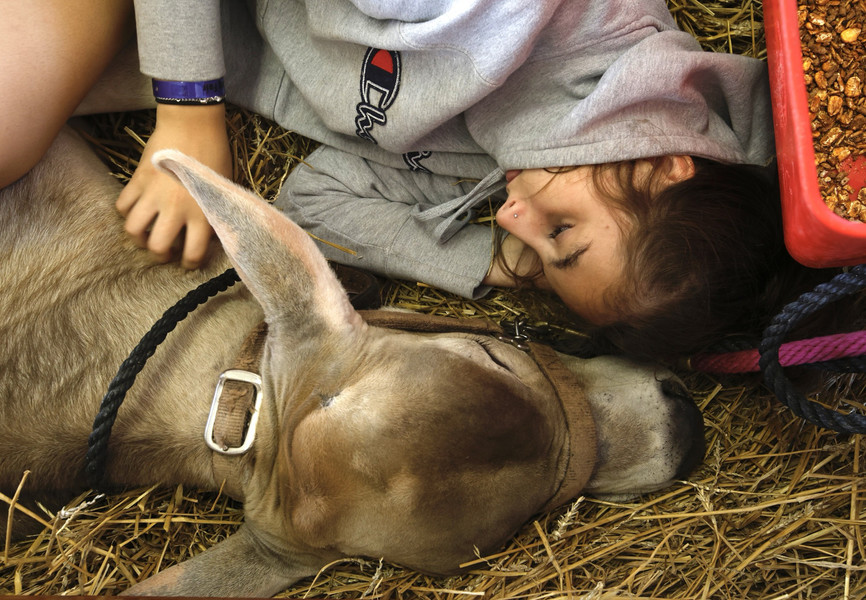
(161, 217)
(198, 235)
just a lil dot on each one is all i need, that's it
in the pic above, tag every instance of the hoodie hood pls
(647, 89)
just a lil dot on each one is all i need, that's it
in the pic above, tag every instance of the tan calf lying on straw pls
(413, 447)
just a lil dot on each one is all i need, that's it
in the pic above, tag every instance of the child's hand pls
(157, 208)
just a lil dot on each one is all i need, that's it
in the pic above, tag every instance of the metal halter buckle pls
(519, 338)
(243, 377)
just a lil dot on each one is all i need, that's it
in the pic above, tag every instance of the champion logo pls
(380, 83)
(413, 160)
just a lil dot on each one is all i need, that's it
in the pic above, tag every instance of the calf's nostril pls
(674, 388)
(687, 426)
(693, 445)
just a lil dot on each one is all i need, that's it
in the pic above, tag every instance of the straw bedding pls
(775, 511)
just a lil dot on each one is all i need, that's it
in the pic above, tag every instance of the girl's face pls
(577, 236)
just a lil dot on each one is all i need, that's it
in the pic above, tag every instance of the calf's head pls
(418, 448)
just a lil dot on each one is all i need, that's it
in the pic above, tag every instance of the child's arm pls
(178, 40)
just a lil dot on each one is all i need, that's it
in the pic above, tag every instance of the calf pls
(415, 447)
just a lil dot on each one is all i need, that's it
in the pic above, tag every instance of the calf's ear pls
(274, 257)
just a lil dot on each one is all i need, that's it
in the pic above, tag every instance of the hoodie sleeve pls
(361, 214)
(180, 40)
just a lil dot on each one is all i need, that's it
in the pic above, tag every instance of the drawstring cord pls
(458, 211)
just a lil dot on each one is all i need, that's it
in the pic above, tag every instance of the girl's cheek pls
(522, 234)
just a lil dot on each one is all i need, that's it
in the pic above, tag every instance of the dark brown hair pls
(705, 257)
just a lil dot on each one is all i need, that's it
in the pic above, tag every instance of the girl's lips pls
(510, 175)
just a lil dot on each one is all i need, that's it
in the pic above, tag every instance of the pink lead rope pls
(800, 352)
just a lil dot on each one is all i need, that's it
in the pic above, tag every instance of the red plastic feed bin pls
(814, 235)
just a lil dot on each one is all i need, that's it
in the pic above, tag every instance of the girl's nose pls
(511, 209)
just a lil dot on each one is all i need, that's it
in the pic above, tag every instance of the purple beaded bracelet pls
(189, 92)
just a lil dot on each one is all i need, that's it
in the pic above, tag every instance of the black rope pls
(97, 452)
(843, 284)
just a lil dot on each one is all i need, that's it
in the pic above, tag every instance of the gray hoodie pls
(411, 99)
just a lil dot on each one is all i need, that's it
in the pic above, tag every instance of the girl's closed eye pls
(559, 229)
(570, 259)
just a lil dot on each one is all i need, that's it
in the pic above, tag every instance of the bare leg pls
(51, 53)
